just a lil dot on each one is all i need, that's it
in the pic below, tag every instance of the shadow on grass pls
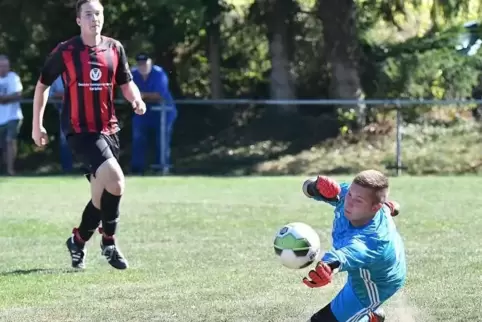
(40, 271)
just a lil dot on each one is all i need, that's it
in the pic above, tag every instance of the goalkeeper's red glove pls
(320, 276)
(394, 207)
(322, 186)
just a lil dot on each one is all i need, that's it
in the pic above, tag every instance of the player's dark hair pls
(80, 3)
(375, 181)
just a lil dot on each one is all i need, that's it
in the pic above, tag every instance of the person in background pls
(11, 115)
(154, 86)
(57, 93)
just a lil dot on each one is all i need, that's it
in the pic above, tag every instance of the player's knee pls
(112, 177)
(115, 187)
(116, 183)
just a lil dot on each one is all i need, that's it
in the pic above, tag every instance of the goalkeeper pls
(366, 245)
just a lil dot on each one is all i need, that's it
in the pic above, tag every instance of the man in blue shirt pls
(57, 92)
(154, 86)
(366, 245)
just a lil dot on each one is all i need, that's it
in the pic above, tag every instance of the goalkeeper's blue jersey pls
(372, 255)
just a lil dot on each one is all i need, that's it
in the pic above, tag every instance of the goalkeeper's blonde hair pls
(375, 181)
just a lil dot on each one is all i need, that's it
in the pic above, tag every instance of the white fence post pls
(163, 166)
(399, 140)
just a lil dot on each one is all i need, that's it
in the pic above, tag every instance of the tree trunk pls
(165, 58)
(214, 57)
(281, 78)
(341, 49)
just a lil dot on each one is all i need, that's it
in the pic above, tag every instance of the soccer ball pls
(297, 245)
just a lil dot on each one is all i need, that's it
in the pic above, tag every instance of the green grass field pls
(200, 249)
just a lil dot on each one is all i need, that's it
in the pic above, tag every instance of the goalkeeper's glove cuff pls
(394, 207)
(309, 188)
(334, 265)
(322, 187)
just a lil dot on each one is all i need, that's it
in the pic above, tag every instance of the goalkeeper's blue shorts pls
(346, 306)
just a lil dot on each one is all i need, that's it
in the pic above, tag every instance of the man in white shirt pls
(11, 115)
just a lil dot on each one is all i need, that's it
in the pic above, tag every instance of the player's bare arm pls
(129, 89)
(52, 68)
(40, 98)
(131, 92)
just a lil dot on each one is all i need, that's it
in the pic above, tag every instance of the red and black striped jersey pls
(89, 75)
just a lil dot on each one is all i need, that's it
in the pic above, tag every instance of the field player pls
(90, 66)
(366, 245)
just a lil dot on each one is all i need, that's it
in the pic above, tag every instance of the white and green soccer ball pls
(297, 245)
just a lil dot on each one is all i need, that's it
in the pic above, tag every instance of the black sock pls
(89, 223)
(110, 216)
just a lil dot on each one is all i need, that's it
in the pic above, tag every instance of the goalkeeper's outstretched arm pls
(352, 256)
(325, 189)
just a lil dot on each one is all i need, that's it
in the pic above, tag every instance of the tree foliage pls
(421, 63)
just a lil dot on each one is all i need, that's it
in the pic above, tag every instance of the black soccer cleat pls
(114, 256)
(76, 253)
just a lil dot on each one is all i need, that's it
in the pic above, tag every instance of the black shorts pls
(93, 149)
(324, 315)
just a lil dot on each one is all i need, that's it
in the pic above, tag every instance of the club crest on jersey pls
(95, 74)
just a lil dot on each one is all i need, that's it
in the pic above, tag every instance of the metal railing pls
(394, 104)
(163, 166)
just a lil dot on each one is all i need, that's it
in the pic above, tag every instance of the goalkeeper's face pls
(360, 203)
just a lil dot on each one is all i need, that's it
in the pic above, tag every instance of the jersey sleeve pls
(352, 256)
(123, 73)
(344, 190)
(53, 67)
